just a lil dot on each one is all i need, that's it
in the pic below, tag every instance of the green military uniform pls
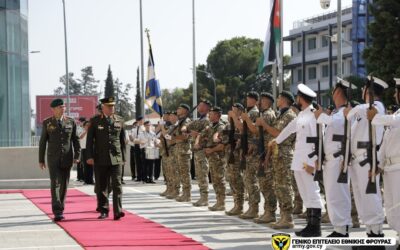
(62, 147)
(217, 163)
(266, 182)
(106, 145)
(200, 162)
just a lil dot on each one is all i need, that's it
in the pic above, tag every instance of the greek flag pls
(153, 90)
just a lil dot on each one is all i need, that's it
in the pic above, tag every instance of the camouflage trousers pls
(217, 168)
(282, 176)
(250, 179)
(170, 171)
(201, 169)
(235, 179)
(182, 162)
(267, 189)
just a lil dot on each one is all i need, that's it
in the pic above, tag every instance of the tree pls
(382, 57)
(138, 97)
(74, 86)
(123, 106)
(109, 87)
(88, 82)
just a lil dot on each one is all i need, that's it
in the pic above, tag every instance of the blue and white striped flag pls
(153, 90)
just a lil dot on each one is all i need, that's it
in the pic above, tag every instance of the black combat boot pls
(313, 228)
(308, 212)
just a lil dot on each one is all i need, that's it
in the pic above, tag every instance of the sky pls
(107, 32)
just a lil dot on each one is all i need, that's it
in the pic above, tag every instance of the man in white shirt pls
(304, 162)
(131, 144)
(148, 139)
(137, 152)
(389, 160)
(369, 205)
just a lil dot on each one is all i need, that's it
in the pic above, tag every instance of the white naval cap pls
(380, 82)
(306, 90)
(345, 83)
(397, 82)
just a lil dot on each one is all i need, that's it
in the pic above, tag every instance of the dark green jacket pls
(59, 142)
(106, 142)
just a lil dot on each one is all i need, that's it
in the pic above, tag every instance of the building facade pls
(14, 74)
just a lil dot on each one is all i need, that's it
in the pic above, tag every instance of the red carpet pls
(131, 232)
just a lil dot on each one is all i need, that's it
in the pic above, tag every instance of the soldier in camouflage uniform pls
(200, 160)
(171, 165)
(183, 152)
(59, 136)
(232, 153)
(214, 151)
(163, 151)
(266, 181)
(282, 155)
(252, 159)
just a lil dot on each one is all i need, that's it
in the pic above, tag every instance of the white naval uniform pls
(338, 196)
(304, 125)
(389, 160)
(369, 206)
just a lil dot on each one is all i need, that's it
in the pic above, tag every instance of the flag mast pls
(281, 73)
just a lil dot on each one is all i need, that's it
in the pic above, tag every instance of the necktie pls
(59, 123)
(109, 120)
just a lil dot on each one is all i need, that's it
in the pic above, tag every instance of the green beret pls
(184, 106)
(216, 109)
(56, 102)
(253, 94)
(288, 95)
(268, 95)
(108, 100)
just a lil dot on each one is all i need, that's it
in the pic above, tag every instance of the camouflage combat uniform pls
(200, 162)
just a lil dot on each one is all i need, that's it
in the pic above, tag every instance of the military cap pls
(167, 112)
(253, 94)
(108, 101)
(216, 109)
(268, 95)
(205, 101)
(184, 106)
(344, 83)
(146, 122)
(56, 102)
(238, 105)
(397, 82)
(305, 90)
(139, 118)
(379, 82)
(288, 95)
(174, 113)
(331, 107)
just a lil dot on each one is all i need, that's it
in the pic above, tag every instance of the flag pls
(272, 38)
(153, 90)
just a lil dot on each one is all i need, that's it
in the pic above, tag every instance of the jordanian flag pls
(273, 37)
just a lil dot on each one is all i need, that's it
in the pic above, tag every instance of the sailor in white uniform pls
(389, 160)
(338, 196)
(369, 206)
(303, 166)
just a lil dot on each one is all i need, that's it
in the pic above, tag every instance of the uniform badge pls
(280, 241)
(50, 127)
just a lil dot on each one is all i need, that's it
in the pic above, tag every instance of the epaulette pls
(47, 118)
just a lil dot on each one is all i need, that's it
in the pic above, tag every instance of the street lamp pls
(211, 76)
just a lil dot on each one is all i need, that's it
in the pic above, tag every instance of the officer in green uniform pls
(105, 148)
(63, 149)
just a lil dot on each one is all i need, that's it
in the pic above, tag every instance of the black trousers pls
(157, 168)
(139, 162)
(59, 179)
(149, 169)
(132, 162)
(87, 169)
(107, 172)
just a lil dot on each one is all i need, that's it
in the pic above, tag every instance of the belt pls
(330, 157)
(359, 157)
(392, 160)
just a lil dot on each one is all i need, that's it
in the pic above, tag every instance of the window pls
(312, 43)
(299, 75)
(325, 70)
(299, 46)
(335, 69)
(312, 73)
(324, 41)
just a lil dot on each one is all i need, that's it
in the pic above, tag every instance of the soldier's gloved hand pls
(308, 169)
(371, 113)
(42, 165)
(90, 161)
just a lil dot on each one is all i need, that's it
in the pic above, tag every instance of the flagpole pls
(194, 62)
(281, 78)
(141, 58)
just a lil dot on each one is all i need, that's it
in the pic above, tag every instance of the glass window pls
(299, 75)
(312, 73)
(2, 4)
(299, 46)
(324, 41)
(312, 43)
(325, 70)
(3, 34)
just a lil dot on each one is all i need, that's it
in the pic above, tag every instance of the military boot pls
(251, 213)
(236, 210)
(285, 222)
(267, 217)
(313, 228)
(173, 194)
(185, 197)
(203, 201)
(298, 208)
(220, 205)
(166, 192)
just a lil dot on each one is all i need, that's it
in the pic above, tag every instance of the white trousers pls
(392, 198)
(338, 196)
(369, 206)
(308, 189)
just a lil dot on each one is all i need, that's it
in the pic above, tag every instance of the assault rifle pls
(244, 144)
(261, 147)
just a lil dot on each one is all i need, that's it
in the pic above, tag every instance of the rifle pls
(232, 141)
(244, 144)
(319, 150)
(261, 147)
(370, 145)
(345, 149)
